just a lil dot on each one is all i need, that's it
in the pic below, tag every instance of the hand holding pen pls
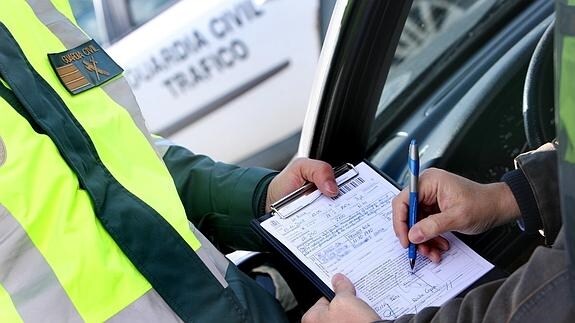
(448, 202)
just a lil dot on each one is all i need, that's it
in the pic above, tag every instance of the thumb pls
(342, 285)
(430, 227)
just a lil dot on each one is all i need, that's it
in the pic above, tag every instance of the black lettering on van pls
(175, 53)
(181, 49)
(224, 58)
(197, 76)
(239, 49)
(176, 83)
(219, 27)
(233, 19)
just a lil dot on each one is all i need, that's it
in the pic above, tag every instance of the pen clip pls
(309, 193)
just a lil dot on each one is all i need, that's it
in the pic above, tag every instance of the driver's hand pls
(448, 202)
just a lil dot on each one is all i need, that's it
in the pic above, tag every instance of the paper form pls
(353, 234)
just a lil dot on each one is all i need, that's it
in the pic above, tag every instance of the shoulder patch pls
(84, 67)
(2, 152)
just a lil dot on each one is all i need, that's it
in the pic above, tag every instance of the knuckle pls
(324, 168)
(430, 171)
(298, 161)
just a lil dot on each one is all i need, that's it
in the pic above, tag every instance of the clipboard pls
(296, 202)
(353, 234)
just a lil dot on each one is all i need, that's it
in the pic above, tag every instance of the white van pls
(226, 78)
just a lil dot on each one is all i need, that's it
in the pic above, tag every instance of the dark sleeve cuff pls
(530, 220)
(261, 194)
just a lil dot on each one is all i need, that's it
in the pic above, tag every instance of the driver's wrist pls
(524, 198)
(506, 207)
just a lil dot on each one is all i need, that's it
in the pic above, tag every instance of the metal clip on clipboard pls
(307, 194)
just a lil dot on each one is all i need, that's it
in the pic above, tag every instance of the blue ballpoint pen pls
(413, 163)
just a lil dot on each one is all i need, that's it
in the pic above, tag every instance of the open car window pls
(86, 18)
(432, 29)
(143, 10)
(131, 13)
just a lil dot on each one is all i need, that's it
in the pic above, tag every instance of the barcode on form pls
(349, 186)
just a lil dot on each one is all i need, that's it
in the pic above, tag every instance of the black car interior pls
(520, 118)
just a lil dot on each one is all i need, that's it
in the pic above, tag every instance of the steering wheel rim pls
(538, 95)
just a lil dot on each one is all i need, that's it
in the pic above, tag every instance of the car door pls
(459, 92)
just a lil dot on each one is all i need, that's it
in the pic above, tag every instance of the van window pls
(117, 17)
(86, 18)
(143, 10)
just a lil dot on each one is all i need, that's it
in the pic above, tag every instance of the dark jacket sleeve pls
(220, 199)
(540, 170)
(539, 291)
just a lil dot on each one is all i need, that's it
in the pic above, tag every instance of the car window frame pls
(351, 80)
(115, 18)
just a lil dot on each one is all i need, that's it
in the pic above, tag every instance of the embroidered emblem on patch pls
(2, 152)
(84, 67)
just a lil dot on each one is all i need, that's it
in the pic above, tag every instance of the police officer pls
(94, 212)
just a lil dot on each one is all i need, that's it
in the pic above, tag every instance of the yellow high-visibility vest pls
(79, 178)
(565, 117)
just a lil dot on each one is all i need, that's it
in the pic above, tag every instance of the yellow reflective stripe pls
(36, 293)
(44, 196)
(8, 312)
(567, 96)
(113, 132)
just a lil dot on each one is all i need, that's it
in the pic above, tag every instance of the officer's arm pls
(219, 199)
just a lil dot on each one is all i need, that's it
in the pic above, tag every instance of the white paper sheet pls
(353, 234)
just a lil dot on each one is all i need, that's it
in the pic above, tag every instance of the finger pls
(318, 172)
(437, 245)
(440, 243)
(429, 251)
(400, 209)
(342, 285)
(434, 255)
(423, 249)
(316, 311)
(430, 227)
(427, 248)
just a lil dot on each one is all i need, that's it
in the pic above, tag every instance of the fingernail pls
(336, 279)
(331, 187)
(444, 246)
(416, 236)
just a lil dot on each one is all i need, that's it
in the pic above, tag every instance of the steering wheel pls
(538, 93)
